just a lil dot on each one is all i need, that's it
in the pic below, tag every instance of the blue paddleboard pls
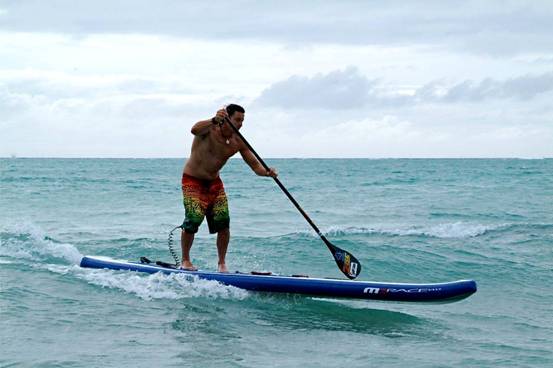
(335, 288)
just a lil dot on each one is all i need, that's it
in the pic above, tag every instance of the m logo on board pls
(371, 290)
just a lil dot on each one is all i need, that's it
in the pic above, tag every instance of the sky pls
(372, 79)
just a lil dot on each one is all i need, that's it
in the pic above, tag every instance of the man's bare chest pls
(222, 147)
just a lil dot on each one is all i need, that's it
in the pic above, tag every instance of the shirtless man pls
(202, 189)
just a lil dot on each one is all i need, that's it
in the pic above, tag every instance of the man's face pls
(237, 118)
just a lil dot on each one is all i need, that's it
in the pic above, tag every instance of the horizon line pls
(293, 158)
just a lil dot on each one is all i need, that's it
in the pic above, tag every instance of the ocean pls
(406, 220)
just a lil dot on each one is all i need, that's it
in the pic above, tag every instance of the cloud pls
(386, 136)
(391, 136)
(12, 105)
(521, 88)
(20, 90)
(349, 89)
(371, 78)
(338, 89)
(491, 27)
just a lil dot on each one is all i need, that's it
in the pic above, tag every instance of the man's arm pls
(203, 127)
(256, 166)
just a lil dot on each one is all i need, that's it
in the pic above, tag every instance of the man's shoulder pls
(202, 136)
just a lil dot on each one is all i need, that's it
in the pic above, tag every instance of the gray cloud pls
(336, 90)
(496, 27)
(53, 88)
(41, 98)
(43, 87)
(520, 88)
(348, 89)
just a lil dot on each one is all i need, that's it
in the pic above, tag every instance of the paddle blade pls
(347, 263)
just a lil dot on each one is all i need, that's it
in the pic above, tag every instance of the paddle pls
(347, 263)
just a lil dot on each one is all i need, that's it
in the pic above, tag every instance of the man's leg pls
(223, 237)
(192, 198)
(186, 240)
(218, 221)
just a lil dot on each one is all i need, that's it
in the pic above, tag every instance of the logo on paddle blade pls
(353, 268)
(348, 267)
(346, 264)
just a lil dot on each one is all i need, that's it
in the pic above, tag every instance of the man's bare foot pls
(187, 265)
(222, 267)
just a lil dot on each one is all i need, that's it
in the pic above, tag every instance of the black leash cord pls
(170, 245)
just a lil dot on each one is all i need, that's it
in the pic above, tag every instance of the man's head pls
(232, 108)
(236, 115)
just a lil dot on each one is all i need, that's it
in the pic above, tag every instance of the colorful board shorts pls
(204, 198)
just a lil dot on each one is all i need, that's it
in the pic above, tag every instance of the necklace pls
(227, 141)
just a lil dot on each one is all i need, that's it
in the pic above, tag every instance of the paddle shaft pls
(296, 204)
(347, 263)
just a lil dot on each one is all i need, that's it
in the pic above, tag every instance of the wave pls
(444, 230)
(156, 286)
(29, 242)
(390, 181)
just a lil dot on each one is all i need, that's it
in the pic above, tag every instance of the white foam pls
(157, 286)
(450, 230)
(35, 243)
(345, 230)
(444, 230)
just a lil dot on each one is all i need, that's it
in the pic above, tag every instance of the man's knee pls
(187, 234)
(191, 226)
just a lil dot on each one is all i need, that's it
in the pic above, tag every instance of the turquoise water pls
(405, 220)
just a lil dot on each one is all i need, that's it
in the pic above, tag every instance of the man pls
(203, 191)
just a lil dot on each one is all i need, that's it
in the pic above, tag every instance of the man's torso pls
(209, 154)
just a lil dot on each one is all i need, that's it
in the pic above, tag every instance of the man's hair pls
(232, 108)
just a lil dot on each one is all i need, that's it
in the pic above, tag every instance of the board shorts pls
(204, 198)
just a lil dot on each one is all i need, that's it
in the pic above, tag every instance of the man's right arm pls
(202, 127)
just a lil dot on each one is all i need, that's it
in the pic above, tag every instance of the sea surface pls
(417, 220)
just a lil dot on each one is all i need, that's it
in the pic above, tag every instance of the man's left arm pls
(256, 166)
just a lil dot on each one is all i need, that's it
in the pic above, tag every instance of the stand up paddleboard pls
(298, 284)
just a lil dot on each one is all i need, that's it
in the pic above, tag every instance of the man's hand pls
(221, 115)
(272, 172)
